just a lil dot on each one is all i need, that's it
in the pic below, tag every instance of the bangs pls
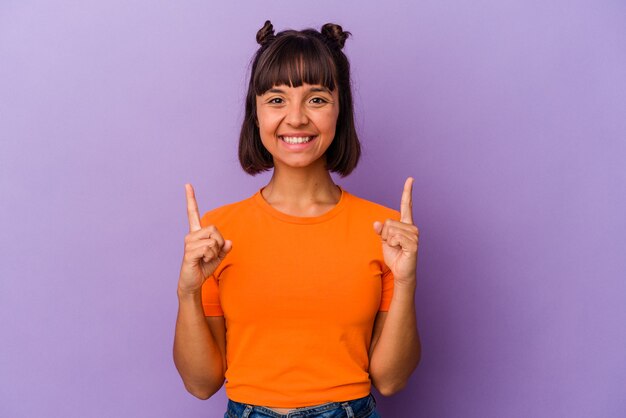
(293, 61)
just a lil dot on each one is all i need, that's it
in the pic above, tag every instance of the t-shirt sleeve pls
(387, 289)
(210, 289)
(387, 277)
(211, 297)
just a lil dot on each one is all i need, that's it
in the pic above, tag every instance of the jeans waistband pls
(356, 408)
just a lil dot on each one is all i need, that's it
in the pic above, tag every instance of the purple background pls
(511, 116)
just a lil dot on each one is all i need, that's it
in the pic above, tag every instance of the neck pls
(300, 187)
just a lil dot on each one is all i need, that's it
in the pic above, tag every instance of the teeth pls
(296, 140)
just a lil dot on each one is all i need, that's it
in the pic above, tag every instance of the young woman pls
(301, 296)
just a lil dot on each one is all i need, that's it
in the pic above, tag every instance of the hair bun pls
(335, 33)
(265, 34)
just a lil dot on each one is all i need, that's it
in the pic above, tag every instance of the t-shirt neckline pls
(260, 200)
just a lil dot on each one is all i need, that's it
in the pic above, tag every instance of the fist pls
(205, 248)
(400, 240)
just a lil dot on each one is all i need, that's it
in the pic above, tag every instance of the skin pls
(300, 186)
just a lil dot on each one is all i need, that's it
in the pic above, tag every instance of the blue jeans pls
(357, 408)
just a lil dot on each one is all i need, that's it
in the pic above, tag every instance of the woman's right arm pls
(198, 354)
(199, 343)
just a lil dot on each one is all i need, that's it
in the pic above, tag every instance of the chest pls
(297, 276)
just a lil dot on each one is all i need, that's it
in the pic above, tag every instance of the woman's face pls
(297, 124)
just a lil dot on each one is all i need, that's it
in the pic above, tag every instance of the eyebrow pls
(322, 89)
(312, 89)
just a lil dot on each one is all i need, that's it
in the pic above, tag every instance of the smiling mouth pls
(297, 139)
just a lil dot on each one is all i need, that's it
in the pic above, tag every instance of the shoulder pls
(370, 209)
(222, 215)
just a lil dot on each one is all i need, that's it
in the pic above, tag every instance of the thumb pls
(378, 227)
(228, 245)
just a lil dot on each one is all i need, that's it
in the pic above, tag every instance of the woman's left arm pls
(395, 349)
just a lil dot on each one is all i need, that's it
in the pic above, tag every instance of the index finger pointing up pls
(192, 209)
(406, 204)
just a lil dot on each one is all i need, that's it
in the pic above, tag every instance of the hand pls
(400, 240)
(204, 249)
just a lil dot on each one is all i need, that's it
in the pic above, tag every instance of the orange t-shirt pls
(299, 296)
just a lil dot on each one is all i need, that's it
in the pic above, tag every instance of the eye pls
(272, 101)
(319, 100)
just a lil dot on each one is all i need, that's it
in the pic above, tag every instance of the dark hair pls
(292, 58)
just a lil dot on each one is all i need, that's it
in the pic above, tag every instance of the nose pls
(296, 115)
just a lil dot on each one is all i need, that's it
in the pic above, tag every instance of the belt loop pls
(247, 411)
(348, 409)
